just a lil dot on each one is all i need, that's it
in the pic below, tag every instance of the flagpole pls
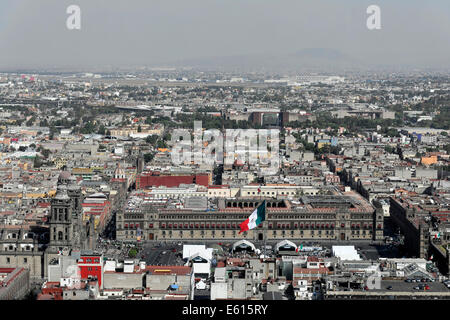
(265, 229)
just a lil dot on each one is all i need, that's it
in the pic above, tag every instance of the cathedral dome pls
(64, 177)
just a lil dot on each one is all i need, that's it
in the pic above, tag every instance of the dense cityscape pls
(352, 197)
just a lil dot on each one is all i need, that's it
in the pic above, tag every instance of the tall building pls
(60, 220)
(76, 196)
(66, 227)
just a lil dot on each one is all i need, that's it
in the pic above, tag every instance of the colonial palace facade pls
(337, 217)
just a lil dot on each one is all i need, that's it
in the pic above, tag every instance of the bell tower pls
(60, 221)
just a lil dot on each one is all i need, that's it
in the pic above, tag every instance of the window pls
(8, 260)
(25, 260)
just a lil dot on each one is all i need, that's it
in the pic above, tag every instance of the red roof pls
(46, 296)
(321, 270)
(150, 180)
(179, 270)
(43, 204)
(312, 259)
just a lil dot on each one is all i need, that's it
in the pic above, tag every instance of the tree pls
(389, 149)
(53, 130)
(161, 144)
(37, 163)
(88, 128)
(132, 253)
(167, 137)
(45, 153)
(151, 139)
(447, 148)
(43, 123)
(30, 122)
(101, 130)
(148, 157)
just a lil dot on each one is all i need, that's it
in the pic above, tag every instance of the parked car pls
(389, 288)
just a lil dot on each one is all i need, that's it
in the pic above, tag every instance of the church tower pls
(61, 221)
(76, 196)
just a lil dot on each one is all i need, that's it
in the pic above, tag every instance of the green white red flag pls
(255, 219)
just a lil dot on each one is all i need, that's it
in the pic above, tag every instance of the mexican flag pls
(255, 219)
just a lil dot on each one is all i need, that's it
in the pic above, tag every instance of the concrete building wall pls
(426, 173)
(32, 261)
(219, 290)
(76, 295)
(415, 238)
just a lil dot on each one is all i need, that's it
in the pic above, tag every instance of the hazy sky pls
(33, 33)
